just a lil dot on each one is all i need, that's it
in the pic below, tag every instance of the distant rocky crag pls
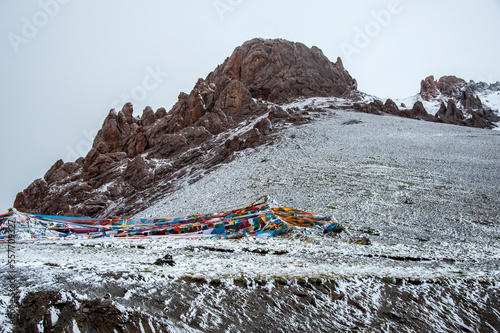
(459, 103)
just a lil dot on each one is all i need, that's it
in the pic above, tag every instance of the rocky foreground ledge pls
(247, 285)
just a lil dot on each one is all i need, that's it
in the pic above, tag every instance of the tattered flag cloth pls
(258, 219)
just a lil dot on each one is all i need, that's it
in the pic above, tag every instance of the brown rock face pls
(33, 195)
(419, 112)
(449, 86)
(135, 160)
(428, 88)
(450, 113)
(469, 100)
(276, 70)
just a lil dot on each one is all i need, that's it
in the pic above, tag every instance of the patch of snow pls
(491, 99)
(75, 327)
(128, 294)
(160, 162)
(246, 127)
(319, 102)
(140, 322)
(54, 315)
(432, 106)
(201, 100)
(105, 187)
(39, 326)
(366, 98)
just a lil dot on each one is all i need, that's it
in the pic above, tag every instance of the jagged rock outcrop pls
(480, 118)
(449, 86)
(459, 102)
(276, 70)
(390, 107)
(450, 113)
(135, 160)
(418, 111)
(428, 88)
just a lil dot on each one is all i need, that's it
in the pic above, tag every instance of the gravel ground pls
(414, 188)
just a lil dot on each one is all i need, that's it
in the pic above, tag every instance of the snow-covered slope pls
(491, 99)
(432, 106)
(425, 194)
(412, 182)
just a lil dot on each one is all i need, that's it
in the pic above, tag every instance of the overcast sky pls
(65, 63)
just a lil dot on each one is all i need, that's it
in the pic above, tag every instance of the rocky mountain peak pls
(134, 160)
(276, 70)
